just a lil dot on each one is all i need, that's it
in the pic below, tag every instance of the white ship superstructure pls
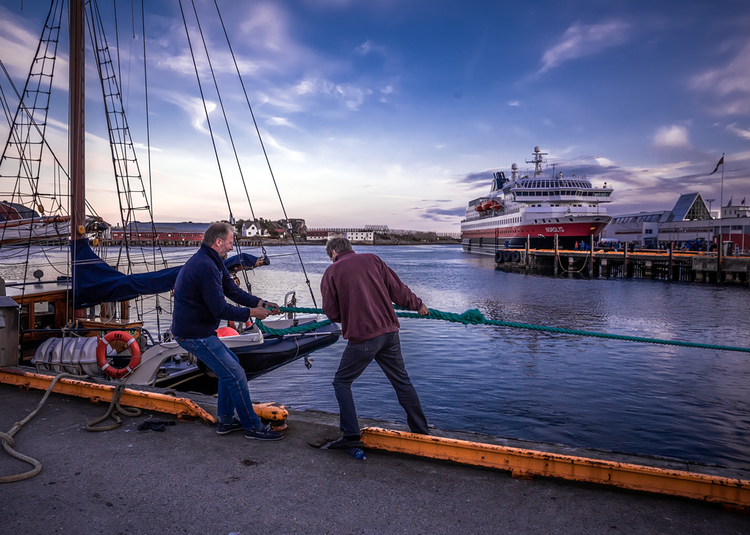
(536, 209)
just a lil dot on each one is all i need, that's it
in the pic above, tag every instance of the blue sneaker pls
(223, 429)
(263, 433)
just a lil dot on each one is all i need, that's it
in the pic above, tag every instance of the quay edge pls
(651, 265)
(143, 481)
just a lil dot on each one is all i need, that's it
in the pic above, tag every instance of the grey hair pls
(215, 231)
(340, 245)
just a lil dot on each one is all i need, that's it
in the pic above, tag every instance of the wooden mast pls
(77, 127)
(76, 136)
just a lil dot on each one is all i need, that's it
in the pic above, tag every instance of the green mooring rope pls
(474, 317)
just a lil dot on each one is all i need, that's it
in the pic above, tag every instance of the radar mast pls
(537, 160)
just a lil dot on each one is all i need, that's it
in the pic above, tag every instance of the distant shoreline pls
(268, 243)
(277, 243)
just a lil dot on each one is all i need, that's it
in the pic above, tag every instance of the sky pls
(382, 112)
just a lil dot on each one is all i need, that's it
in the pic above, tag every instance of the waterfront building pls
(251, 229)
(354, 235)
(688, 224)
(142, 233)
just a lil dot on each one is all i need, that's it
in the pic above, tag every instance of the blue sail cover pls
(241, 261)
(95, 282)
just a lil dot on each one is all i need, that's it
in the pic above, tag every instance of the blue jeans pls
(233, 391)
(386, 351)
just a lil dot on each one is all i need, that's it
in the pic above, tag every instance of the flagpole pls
(721, 203)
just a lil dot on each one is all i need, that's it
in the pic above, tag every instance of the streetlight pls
(709, 201)
(710, 217)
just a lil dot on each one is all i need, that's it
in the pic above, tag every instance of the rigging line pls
(33, 122)
(150, 202)
(148, 157)
(52, 24)
(117, 41)
(205, 109)
(226, 122)
(123, 136)
(244, 184)
(265, 154)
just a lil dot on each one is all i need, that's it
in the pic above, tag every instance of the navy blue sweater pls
(199, 303)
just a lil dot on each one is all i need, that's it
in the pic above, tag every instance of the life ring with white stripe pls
(101, 354)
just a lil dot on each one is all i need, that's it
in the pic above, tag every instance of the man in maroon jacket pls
(359, 291)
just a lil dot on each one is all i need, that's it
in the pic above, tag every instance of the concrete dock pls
(189, 480)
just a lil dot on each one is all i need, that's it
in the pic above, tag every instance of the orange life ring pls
(101, 354)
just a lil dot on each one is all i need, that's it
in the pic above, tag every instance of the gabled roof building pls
(688, 224)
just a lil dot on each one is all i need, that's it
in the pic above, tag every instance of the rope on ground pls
(8, 442)
(475, 317)
(114, 408)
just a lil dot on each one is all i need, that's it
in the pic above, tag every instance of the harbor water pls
(685, 403)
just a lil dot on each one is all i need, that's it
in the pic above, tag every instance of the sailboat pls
(80, 323)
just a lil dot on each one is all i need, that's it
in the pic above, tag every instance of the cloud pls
(584, 40)
(193, 107)
(731, 83)
(280, 121)
(482, 177)
(363, 49)
(739, 131)
(674, 136)
(288, 153)
(266, 28)
(514, 103)
(443, 214)
(308, 92)
(18, 46)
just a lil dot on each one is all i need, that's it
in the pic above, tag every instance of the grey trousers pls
(386, 351)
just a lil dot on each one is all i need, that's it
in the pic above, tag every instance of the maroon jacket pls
(358, 291)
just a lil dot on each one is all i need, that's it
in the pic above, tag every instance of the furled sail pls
(95, 281)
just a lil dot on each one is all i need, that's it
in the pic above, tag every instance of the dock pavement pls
(189, 480)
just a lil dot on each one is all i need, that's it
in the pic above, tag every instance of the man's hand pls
(275, 310)
(259, 312)
(423, 311)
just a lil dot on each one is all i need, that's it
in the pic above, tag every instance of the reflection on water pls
(587, 392)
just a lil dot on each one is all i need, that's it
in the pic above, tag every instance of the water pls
(649, 399)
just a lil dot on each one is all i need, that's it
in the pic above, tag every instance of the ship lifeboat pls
(480, 206)
(495, 205)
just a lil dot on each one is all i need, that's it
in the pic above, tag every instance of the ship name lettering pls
(555, 229)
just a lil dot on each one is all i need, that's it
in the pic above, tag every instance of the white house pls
(250, 230)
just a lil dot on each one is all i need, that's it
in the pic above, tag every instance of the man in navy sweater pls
(359, 291)
(199, 306)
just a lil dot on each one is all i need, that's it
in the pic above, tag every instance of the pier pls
(666, 265)
(189, 480)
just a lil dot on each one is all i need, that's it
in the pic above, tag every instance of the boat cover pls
(244, 261)
(95, 281)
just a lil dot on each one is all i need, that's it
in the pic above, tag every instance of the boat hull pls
(256, 359)
(540, 236)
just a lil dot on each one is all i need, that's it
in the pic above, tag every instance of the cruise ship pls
(536, 209)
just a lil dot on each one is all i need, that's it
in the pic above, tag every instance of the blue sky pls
(396, 113)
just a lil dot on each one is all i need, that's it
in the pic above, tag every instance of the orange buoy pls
(226, 331)
(101, 354)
